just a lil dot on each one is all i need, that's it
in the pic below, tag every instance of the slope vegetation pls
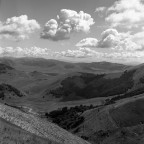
(38, 127)
(119, 123)
(88, 86)
(11, 134)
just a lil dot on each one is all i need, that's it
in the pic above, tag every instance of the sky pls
(74, 30)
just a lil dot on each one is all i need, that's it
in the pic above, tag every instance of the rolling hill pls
(36, 77)
(86, 86)
(8, 91)
(32, 87)
(61, 67)
(122, 84)
(119, 123)
(49, 84)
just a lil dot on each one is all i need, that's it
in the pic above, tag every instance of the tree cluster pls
(89, 85)
(68, 118)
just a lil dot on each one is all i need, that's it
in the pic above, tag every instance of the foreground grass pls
(11, 134)
(38, 127)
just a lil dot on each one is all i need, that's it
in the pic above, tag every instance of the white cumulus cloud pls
(67, 22)
(38, 52)
(81, 53)
(25, 52)
(112, 39)
(18, 28)
(126, 13)
(123, 56)
(88, 42)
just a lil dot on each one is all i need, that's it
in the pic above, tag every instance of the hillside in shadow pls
(88, 86)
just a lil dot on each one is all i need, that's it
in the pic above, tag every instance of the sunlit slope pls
(41, 128)
(12, 134)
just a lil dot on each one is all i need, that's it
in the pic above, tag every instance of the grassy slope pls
(11, 134)
(96, 120)
(119, 123)
(88, 86)
(38, 127)
(123, 113)
(129, 114)
(37, 76)
(128, 135)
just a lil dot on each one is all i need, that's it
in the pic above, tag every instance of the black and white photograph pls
(71, 71)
